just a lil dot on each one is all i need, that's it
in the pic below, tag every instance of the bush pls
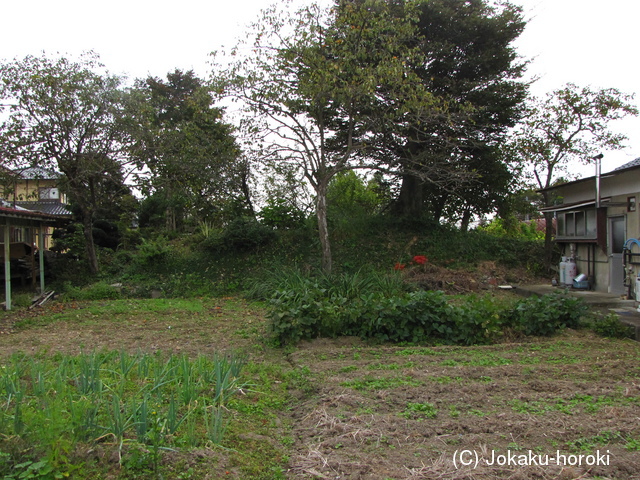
(96, 291)
(610, 326)
(350, 305)
(545, 315)
(153, 251)
(243, 234)
(280, 215)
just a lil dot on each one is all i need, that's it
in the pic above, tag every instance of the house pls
(596, 225)
(34, 189)
(19, 258)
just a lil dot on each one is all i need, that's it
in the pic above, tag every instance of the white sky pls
(587, 42)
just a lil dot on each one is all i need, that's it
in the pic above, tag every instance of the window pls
(578, 225)
(48, 193)
(631, 204)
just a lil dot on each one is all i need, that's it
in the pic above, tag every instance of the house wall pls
(610, 186)
(592, 259)
(30, 189)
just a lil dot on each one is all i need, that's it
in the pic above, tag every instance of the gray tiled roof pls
(632, 163)
(51, 208)
(33, 173)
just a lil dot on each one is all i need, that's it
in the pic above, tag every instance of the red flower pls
(420, 259)
(399, 266)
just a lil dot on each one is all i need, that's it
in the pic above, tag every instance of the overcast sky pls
(586, 42)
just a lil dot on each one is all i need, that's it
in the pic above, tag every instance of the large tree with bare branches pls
(64, 114)
(569, 125)
(330, 89)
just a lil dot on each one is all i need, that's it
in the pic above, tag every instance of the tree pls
(470, 64)
(65, 115)
(332, 91)
(189, 154)
(569, 125)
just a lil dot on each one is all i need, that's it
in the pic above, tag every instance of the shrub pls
(243, 234)
(153, 251)
(611, 326)
(356, 305)
(547, 314)
(96, 291)
(279, 214)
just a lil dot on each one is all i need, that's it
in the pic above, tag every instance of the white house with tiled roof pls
(598, 225)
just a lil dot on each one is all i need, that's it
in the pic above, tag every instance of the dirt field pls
(359, 411)
(401, 413)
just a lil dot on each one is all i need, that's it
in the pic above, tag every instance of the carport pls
(14, 217)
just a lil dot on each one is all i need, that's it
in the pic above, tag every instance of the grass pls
(153, 409)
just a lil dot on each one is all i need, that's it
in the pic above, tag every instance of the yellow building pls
(34, 190)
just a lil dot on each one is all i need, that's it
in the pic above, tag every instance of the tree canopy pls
(571, 124)
(470, 64)
(66, 115)
(187, 153)
(331, 93)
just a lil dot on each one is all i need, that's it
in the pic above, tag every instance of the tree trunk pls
(87, 223)
(438, 204)
(323, 229)
(548, 236)
(548, 231)
(466, 219)
(410, 199)
(170, 219)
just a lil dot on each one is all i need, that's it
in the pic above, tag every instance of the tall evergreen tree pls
(470, 64)
(188, 153)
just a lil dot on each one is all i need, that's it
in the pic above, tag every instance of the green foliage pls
(69, 240)
(153, 251)
(348, 194)
(279, 214)
(41, 470)
(95, 291)
(546, 314)
(420, 410)
(50, 406)
(328, 307)
(67, 115)
(241, 235)
(513, 229)
(611, 326)
(190, 153)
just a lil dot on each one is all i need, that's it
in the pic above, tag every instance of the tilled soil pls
(507, 411)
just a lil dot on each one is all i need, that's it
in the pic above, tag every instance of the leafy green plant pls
(243, 234)
(95, 291)
(611, 326)
(132, 400)
(420, 410)
(546, 314)
(153, 250)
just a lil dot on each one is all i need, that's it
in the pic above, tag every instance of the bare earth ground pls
(575, 394)
(394, 412)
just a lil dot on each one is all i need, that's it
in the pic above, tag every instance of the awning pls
(568, 206)
(18, 217)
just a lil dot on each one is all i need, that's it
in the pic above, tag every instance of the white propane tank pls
(638, 289)
(562, 271)
(571, 272)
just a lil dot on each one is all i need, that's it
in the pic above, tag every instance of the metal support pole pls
(41, 255)
(7, 265)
